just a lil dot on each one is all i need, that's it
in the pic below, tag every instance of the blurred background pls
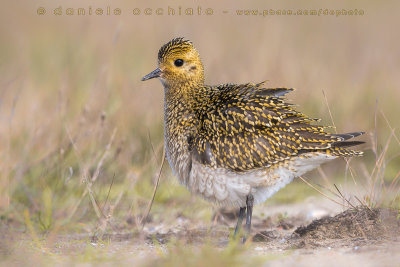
(81, 135)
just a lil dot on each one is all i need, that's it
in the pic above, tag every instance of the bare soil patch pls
(354, 227)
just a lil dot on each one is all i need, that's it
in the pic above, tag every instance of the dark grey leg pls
(239, 222)
(249, 203)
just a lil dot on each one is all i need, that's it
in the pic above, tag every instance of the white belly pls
(227, 188)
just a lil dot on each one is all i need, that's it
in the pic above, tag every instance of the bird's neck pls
(183, 95)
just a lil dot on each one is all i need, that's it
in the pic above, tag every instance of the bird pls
(236, 145)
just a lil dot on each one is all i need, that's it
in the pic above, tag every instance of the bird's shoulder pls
(232, 108)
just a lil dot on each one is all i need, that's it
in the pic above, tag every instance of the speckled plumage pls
(228, 141)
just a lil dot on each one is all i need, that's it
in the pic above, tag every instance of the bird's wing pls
(249, 126)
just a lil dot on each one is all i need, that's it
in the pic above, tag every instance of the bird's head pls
(178, 64)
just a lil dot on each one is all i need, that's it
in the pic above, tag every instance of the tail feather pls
(348, 144)
(340, 148)
(347, 136)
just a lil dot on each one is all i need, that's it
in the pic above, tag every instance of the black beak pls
(154, 74)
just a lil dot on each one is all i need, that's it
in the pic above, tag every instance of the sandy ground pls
(313, 233)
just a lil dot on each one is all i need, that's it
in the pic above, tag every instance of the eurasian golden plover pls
(236, 144)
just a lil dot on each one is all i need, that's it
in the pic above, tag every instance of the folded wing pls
(250, 126)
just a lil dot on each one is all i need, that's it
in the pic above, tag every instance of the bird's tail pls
(340, 148)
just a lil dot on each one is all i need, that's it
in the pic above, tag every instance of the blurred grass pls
(67, 83)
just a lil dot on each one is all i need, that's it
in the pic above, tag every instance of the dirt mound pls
(353, 226)
(361, 222)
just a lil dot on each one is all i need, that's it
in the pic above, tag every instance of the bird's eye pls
(178, 62)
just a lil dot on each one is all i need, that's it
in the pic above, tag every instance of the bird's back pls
(244, 127)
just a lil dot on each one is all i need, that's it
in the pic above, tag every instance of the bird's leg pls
(249, 203)
(239, 222)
